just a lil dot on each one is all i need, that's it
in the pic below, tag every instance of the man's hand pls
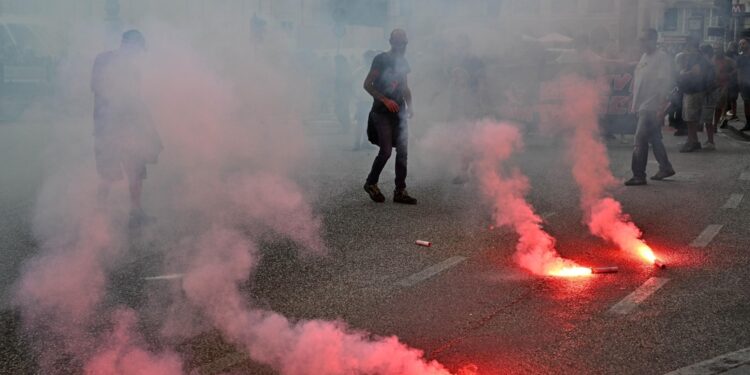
(391, 105)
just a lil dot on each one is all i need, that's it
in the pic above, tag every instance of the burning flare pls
(505, 187)
(578, 113)
(570, 271)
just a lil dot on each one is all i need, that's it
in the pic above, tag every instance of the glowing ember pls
(645, 252)
(570, 271)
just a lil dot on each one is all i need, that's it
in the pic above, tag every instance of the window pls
(671, 17)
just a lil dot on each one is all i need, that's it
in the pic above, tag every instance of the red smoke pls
(224, 191)
(122, 353)
(224, 259)
(579, 113)
(506, 187)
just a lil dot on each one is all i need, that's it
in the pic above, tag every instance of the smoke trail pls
(61, 292)
(228, 191)
(506, 188)
(123, 352)
(243, 204)
(224, 259)
(579, 109)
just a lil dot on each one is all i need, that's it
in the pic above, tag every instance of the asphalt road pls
(472, 305)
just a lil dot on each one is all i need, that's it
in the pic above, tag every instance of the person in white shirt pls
(651, 86)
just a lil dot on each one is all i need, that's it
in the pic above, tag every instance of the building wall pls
(678, 19)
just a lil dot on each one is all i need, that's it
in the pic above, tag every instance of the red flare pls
(645, 252)
(571, 271)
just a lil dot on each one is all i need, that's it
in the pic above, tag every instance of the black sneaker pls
(401, 196)
(690, 147)
(663, 174)
(374, 193)
(635, 181)
(460, 179)
(724, 124)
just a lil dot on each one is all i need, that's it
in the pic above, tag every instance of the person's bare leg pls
(136, 187)
(710, 130)
(718, 113)
(692, 128)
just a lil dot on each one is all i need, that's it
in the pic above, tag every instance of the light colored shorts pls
(709, 105)
(692, 106)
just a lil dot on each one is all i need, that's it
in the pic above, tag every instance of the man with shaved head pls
(387, 123)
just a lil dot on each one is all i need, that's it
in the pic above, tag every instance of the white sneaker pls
(708, 146)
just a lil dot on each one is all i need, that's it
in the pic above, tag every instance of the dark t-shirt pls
(743, 70)
(115, 82)
(391, 81)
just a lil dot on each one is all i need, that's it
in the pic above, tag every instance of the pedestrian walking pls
(391, 109)
(696, 79)
(713, 93)
(743, 79)
(125, 139)
(651, 86)
(726, 78)
(734, 88)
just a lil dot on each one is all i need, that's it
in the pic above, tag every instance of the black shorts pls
(114, 157)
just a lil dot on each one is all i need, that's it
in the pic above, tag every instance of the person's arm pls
(407, 98)
(369, 86)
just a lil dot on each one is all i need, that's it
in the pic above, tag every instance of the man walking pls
(695, 84)
(391, 108)
(743, 77)
(125, 139)
(650, 89)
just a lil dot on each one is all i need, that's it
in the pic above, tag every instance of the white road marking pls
(629, 303)
(733, 201)
(171, 276)
(731, 363)
(548, 215)
(745, 176)
(430, 271)
(706, 236)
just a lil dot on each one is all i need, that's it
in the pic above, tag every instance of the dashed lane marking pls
(733, 201)
(629, 303)
(171, 276)
(430, 271)
(734, 363)
(706, 236)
